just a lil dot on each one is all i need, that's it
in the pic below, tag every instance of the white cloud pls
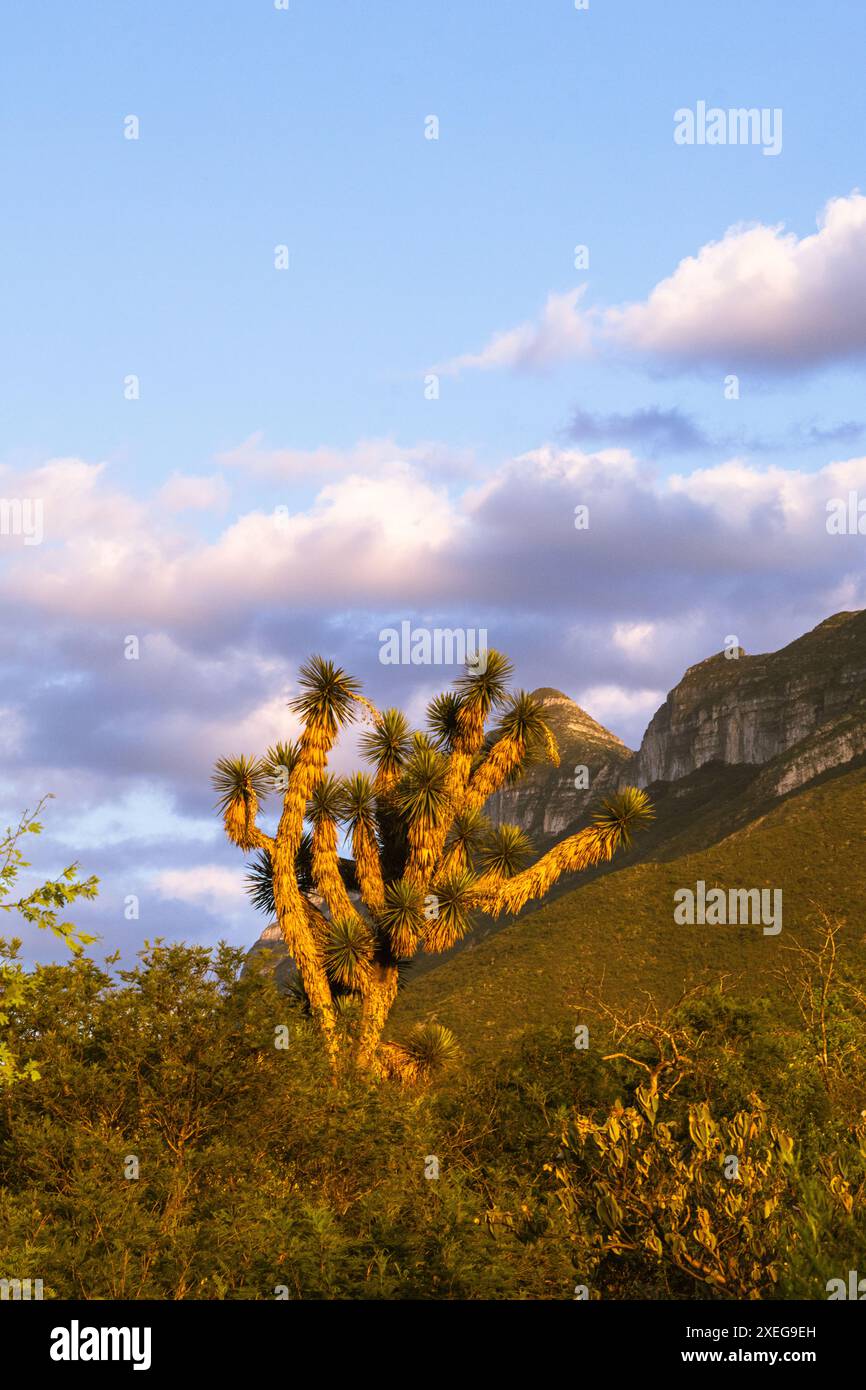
(758, 295)
(367, 457)
(561, 332)
(251, 732)
(633, 637)
(396, 543)
(139, 814)
(777, 499)
(192, 492)
(615, 705)
(122, 562)
(77, 501)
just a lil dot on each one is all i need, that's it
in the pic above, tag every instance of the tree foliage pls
(184, 1142)
(42, 907)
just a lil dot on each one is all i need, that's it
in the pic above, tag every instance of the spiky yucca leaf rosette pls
(448, 911)
(430, 1048)
(504, 852)
(620, 816)
(348, 951)
(240, 783)
(402, 918)
(612, 828)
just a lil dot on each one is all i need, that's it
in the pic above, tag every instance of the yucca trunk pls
(376, 1005)
(294, 923)
(315, 744)
(239, 820)
(487, 883)
(459, 767)
(425, 850)
(454, 859)
(297, 931)
(386, 780)
(505, 757)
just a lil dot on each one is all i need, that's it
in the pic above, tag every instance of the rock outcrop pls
(547, 800)
(796, 713)
(751, 709)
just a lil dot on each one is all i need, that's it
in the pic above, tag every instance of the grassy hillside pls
(619, 929)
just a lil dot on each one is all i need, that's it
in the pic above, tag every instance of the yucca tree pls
(425, 857)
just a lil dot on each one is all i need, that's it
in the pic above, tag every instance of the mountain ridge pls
(796, 712)
(547, 799)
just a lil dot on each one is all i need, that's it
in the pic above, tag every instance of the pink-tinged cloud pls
(614, 705)
(117, 559)
(562, 332)
(188, 492)
(214, 887)
(394, 542)
(759, 296)
(367, 457)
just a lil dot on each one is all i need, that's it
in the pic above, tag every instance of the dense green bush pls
(258, 1177)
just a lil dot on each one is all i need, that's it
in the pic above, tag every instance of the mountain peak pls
(570, 722)
(546, 800)
(718, 659)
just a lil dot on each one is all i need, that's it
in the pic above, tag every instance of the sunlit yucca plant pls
(348, 951)
(425, 857)
(504, 852)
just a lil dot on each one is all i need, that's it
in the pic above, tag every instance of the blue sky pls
(304, 389)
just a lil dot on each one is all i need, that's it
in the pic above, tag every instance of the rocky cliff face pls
(795, 713)
(751, 709)
(831, 746)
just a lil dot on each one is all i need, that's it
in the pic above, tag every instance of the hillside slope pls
(619, 928)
